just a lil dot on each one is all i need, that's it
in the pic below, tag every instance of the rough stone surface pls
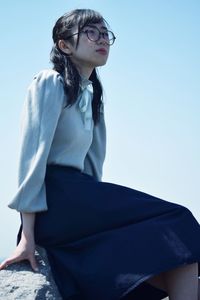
(18, 281)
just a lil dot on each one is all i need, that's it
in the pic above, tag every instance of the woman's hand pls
(25, 250)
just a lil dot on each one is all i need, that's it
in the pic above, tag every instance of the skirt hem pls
(156, 272)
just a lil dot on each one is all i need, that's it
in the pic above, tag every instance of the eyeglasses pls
(94, 35)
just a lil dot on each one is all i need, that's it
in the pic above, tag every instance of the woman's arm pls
(28, 220)
(41, 112)
(25, 250)
(42, 109)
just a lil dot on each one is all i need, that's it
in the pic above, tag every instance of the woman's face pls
(89, 54)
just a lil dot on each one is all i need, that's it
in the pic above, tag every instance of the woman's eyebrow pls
(105, 28)
(93, 26)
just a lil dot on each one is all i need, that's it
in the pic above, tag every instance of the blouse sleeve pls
(42, 108)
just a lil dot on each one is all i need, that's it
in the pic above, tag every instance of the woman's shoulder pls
(48, 75)
(46, 85)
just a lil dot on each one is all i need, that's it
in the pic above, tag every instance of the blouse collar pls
(85, 83)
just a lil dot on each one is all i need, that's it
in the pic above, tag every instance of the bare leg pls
(158, 281)
(199, 289)
(180, 283)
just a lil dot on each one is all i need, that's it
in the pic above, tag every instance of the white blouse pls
(55, 134)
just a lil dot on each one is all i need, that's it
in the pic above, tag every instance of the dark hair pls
(62, 62)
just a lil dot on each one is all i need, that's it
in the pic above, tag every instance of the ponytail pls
(63, 65)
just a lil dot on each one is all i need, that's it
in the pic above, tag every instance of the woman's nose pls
(102, 40)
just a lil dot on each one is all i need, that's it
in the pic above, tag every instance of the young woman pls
(104, 241)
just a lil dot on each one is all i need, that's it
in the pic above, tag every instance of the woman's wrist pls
(27, 234)
(28, 220)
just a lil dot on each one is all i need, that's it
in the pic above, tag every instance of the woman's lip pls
(102, 51)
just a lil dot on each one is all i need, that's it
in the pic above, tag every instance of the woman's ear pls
(65, 47)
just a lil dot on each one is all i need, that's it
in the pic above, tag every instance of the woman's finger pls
(3, 265)
(6, 263)
(10, 261)
(33, 263)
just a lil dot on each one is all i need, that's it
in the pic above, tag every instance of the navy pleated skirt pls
(104, 240)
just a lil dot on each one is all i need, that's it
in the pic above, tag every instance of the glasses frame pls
(101, 34)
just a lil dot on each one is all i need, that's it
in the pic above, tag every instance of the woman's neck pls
(85, 71)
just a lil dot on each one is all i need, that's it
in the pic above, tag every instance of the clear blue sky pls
(152, 86)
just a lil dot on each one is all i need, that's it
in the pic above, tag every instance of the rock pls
(19, 282)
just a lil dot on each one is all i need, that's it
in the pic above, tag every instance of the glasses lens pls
(93, 34)
(109, 36)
